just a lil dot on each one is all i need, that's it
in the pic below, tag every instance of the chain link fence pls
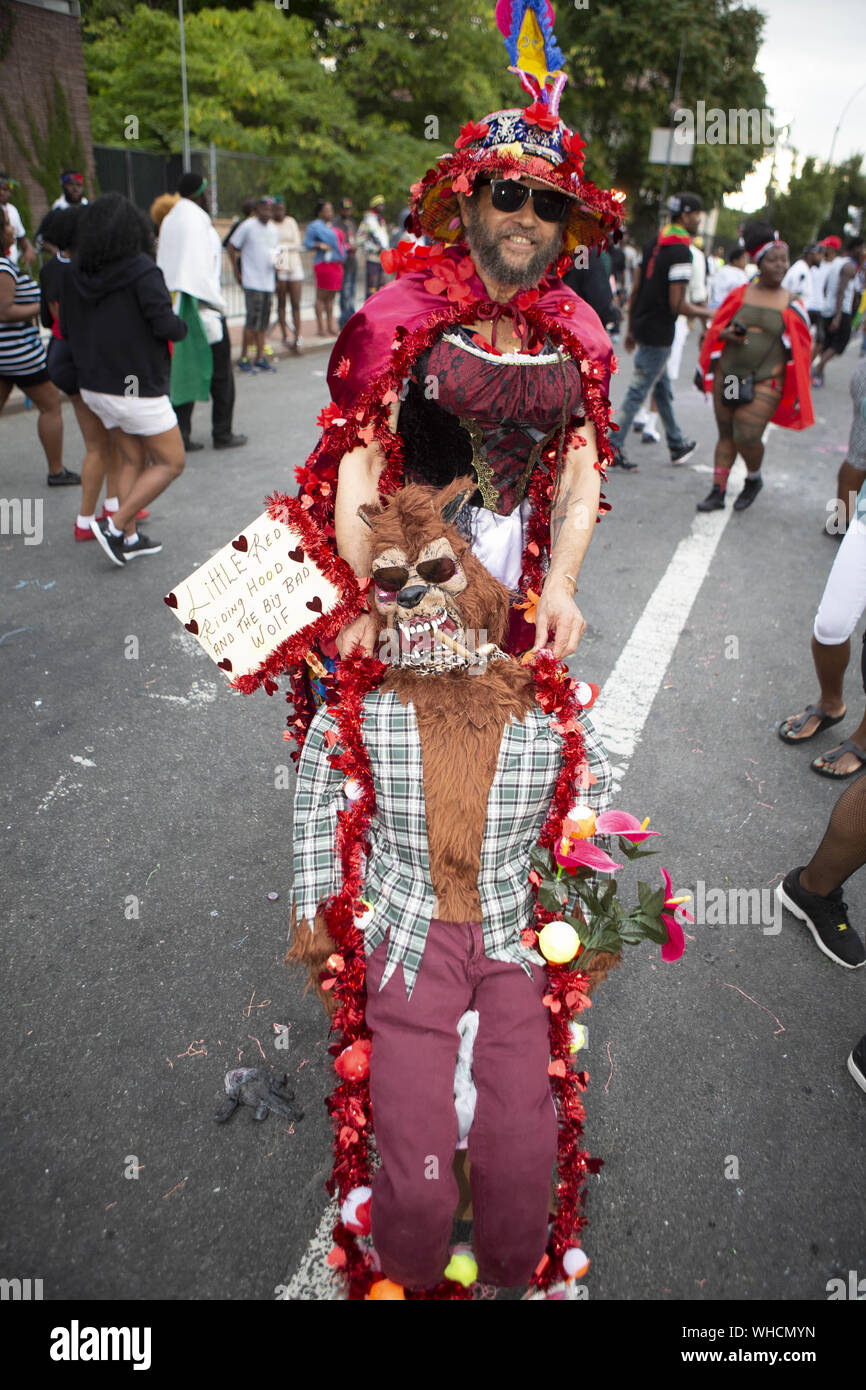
(143, 175)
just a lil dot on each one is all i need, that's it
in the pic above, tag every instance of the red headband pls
(767, 246)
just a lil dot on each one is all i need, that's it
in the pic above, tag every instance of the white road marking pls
(313, 1280)
(60, 788)
(628, 693)
(619, 715)
(201, 693)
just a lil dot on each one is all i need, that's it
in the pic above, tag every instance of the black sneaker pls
(65, 478)
(857, 1063)
(112, 545)
(141, 546)
(685, 453)
(229, 441)
(827, 919)
(714, 500)
(191, 447)
(751, 488)
(619, 459)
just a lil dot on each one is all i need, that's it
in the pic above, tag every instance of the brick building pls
(38, 40)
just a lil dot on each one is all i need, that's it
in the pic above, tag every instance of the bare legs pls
(138, 483)
(97, 456)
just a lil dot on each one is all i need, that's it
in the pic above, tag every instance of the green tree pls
(622, 59)
(255, 84)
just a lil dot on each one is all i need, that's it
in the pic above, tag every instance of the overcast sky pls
(813, 60)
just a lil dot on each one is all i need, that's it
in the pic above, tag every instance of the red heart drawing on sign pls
(240, 543)
(171, 600)
(225, 664)
(296, 555)
(315, 604)
(192, 626)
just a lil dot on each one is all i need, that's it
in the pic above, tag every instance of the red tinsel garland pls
(290, 653)
(349, 1105)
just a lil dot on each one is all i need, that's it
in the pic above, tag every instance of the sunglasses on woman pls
(508, 196)
(392, 578)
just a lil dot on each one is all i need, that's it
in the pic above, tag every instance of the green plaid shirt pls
(398, 881)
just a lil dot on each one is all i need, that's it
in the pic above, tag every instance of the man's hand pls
(629, 343)
(558, 618)
(360, 634)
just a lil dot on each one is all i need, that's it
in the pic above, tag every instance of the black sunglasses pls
(392, 578)
(508, 196)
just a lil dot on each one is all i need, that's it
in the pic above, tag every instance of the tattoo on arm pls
(558, 512)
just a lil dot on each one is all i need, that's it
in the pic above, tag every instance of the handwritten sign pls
(260, 603)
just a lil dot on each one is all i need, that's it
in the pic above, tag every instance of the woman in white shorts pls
(840, 610)
(116, 315)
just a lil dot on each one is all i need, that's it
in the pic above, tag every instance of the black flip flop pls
(846, 747)
(796, 724)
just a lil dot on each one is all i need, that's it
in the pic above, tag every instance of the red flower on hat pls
(539, 114)
(462, 184)
(574, 147)
(470, 133)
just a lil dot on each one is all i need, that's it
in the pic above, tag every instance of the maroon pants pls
(512, 1143)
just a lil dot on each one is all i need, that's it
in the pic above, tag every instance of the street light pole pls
(839, 123)
(186, 154)
(674, 108)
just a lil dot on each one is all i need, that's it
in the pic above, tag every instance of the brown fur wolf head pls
(426, 579)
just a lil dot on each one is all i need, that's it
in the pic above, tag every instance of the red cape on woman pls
(794, 411)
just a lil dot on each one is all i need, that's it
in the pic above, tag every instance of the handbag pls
(746, 384)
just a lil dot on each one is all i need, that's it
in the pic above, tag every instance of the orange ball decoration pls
(385, 1290)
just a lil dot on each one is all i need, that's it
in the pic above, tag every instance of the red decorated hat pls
(522, 142)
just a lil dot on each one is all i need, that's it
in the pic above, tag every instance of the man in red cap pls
(837, 310)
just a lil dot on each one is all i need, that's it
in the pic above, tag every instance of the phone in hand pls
(739, 328)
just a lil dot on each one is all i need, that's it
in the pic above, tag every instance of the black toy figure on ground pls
(261, 1087)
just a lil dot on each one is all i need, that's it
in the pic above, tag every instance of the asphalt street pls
(147, 818)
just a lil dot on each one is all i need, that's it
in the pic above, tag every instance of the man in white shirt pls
(189, 254)
(21, 245)
(729, 276)
(837, 309)
(253, 250)
(798, 279)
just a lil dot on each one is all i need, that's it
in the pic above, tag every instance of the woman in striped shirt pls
(22, 357)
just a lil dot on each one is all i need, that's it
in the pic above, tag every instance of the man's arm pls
(573, 514)
(234, 246)
(680, 304)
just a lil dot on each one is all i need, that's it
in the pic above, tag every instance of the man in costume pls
(478, 359)
(478, 373)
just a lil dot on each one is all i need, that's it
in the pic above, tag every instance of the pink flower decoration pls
(676, 942)
(461, 185)
(584, 855)
(624, 824)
